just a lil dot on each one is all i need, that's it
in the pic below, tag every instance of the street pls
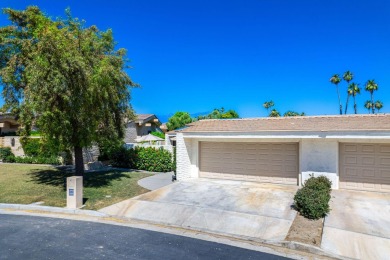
(30, 237)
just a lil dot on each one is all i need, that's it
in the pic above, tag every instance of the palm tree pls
(350, 93)
(274, 113)
(335, 79)
(371, 86)
(268, 104)
(355, 90)
(368, 105)
(378, 105)
(348, 76)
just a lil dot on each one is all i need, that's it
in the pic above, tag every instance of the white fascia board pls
(292, 135)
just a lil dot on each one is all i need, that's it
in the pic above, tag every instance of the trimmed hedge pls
(143, 158)
(5, 152)
(312, 201)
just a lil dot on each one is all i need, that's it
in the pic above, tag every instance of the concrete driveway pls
(358, 225)
(237, 208)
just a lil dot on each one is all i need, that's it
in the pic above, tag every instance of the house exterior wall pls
(8, 128)
(134, 130)
(318, 153)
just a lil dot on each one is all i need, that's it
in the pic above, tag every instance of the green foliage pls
(293, 113)
(274, 113)
(37, 147)
(154, 160)
(66, 78)
(220, 114)
(268, 104)
(143, 158)
(158, 134)
(37, 160)
(178, 120)
(312, 201)
(5, 152)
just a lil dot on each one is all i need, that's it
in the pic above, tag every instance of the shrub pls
(123, 158)
(31, 146)
(158, 134)
(312, 201)
(9, 159)
(37, 160)
(5, 152)
(154, 160)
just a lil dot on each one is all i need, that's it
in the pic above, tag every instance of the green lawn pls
(25, 184)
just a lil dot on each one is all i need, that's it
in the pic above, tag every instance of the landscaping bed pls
(26, 184)
(306, 231)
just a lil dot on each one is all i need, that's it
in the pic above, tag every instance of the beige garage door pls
(365, 167)
(262, 162)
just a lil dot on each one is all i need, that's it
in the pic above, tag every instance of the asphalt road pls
(28, 237)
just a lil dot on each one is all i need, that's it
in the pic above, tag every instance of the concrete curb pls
(102, 216)
(91, 213)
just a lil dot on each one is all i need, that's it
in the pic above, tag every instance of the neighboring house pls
(353, 151)
(143, 125)
(8, 124)
(8, 138)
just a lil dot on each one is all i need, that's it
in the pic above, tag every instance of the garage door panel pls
(365, 167)
(265, 162)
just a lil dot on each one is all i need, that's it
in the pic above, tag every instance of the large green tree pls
(220, 113)
(64, 77)
(178, 120)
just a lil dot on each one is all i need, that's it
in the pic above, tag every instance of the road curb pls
(49, 209)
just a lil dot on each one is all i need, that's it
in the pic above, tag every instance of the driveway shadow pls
(57, 177)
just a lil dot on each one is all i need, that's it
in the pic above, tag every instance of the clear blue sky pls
(198, 55)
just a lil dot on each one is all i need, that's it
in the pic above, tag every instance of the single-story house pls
(143, 125)
(352, 150)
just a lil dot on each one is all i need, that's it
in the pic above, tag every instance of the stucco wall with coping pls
(16, 148)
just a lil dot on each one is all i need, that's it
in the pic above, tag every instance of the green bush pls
(37, 160)
(31, 146)
(312, 200)
(158, 134)
(9, 159)
(5, 152)
(154, 160)
(143, 158)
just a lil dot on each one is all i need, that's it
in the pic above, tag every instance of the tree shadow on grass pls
(57, 177)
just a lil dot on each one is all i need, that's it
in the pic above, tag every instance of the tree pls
(368, 105)
(348, 76)
(274, 113)
(178, 120)
(355, 90)
(349, 93)
(220, 114)
(293, 113)
(378, 105)
(65, 78)
(268, 104)
(371, 86)
(335, 79)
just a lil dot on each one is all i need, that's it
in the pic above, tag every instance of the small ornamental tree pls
(64, 77)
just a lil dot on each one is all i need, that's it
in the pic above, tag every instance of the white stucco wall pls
(183, 157)
(319, 157)
(16, 148)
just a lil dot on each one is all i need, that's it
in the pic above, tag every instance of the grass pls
(26, 184)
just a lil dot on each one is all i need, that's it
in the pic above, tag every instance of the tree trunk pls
(79, 161)
(346, 105)
(372, 102)
(338, 94)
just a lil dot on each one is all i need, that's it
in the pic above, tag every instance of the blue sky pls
(198, 55)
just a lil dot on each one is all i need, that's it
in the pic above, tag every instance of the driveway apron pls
(245, 209)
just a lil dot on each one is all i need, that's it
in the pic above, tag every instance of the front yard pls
(26, 184)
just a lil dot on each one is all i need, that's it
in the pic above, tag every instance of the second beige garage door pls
(263, 162)
(365, 167)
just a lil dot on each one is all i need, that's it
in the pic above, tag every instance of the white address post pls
(74, 192)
